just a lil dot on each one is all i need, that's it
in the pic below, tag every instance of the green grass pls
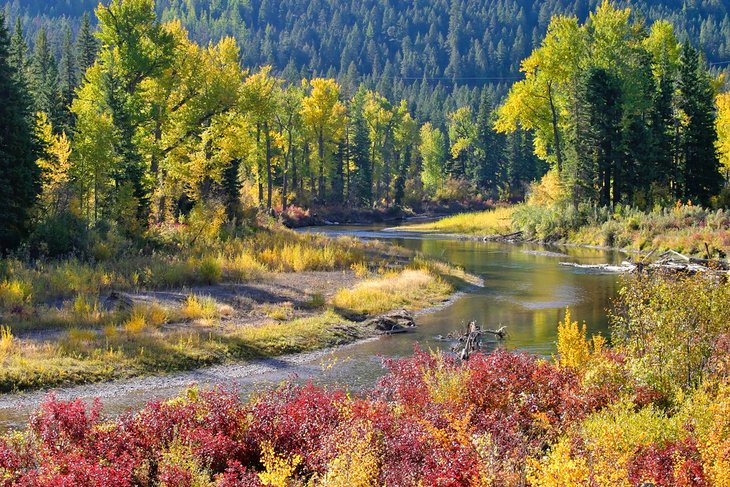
(490, 222)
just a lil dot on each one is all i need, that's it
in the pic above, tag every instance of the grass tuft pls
(6, 342)
(203, 308)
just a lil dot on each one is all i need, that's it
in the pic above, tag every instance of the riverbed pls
(525, 289)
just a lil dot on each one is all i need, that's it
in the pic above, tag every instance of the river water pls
(525, 289)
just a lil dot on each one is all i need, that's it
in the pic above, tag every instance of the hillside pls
(427, 51)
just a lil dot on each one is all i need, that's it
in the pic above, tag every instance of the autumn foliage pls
(592, 416)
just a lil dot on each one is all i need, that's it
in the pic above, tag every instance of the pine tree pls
(18, 53)
(701, 170)
(598, 137)
(86, 46)
(489, 171)
(360, 153)
(67, 80)
(43, 78)
(662, 125)
(19, 150)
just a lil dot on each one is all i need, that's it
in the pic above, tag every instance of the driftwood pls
(394, 322)
(669, 260)
(471, 340)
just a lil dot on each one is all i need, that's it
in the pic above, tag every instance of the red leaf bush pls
(431, 420)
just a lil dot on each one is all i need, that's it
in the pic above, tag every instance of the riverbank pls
(688, 229)
(55, 333)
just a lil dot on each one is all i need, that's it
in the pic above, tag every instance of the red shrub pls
(295, 419)
(677, 464)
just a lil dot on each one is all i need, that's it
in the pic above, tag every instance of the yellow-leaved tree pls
(55, 165)
(723, 130)
(323, 115)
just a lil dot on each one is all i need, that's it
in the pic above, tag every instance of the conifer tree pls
(19, 173)
(43, 78)
(67, 79)
(18, 53)
(701, 165)
(86, 46)
(360, 152)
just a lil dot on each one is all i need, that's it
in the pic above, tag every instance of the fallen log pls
(506, 237)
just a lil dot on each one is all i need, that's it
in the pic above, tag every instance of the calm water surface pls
(525, 289)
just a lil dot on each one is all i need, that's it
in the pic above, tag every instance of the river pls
(525, 289)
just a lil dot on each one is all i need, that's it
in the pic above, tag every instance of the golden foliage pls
(549, 191)
(357, 463)
(573, 348)
(279, 470)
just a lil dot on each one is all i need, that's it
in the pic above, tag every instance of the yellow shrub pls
(549, 191)
(446, 385)
(243, 267)
(392, 290)
(15, 293)
(559, 469)
(572, 344)
(84, 306)
(360, 269)
(356, 465)
(181, 456)
(278, 470)
(279, 312)
(487, 222)
(156, 315)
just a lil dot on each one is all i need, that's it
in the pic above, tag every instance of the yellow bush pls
(489, 222)
(360, 269)
(243, 267)
(446, 385)
(549, 191)
(357, 463)
(15, 293)
(558, 469)
(279, 312)
(136, 322)
(573, 348)
(279, 471)
(84, 306)
(181, 456)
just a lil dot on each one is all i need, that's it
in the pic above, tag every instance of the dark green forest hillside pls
(431, 53)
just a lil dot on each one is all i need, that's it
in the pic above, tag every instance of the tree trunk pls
(321, 166)
(269, 182)
(258, 164)
(556, 132)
